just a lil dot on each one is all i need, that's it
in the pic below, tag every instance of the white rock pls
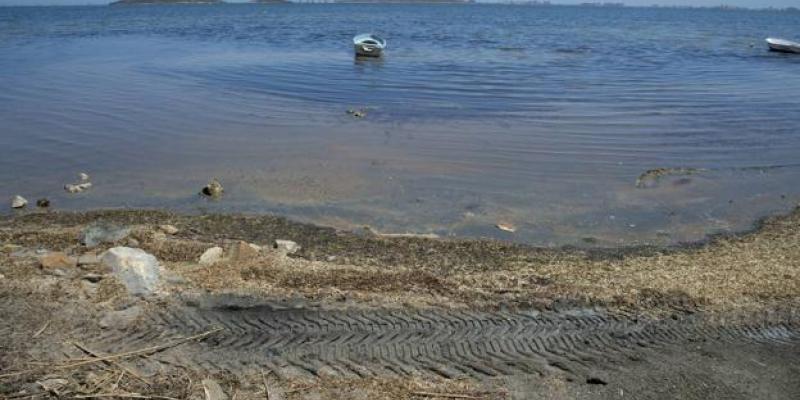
(169, 229)
(139, 271)
(18, 202)
(77, 188)
(211, 256)
(84, 176)
(287, 246)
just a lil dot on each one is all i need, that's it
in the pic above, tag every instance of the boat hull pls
(783, 46)
(367, 51)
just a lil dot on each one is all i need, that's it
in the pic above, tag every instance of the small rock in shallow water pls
(213, 189)
(359, 113)
(506, 227)
(18, 202)
(287, 246)
(98, 233)
(77, 188)
(211, 256)
(168, 229)
(43, 203)
(139, 271)
(84, 176)
(57, 259)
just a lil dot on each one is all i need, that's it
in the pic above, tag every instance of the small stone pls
(77, 188)
(168, 229)
(213, 390)
(287, 246)
(213, 189)
(506, 227)
(139, 271)
(242, 251)
(43, 203)
(132, 242)
(84, 176)
(57, 260)
(2, 277)
(94, 278)
(96, 234)
(88, 259)
(211, 256)
(18, 202)
(159, 236)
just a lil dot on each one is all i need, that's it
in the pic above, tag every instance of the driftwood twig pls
(140, 352)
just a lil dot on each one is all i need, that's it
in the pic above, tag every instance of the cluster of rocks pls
(242, 251)
(138, 271)
(19, 202)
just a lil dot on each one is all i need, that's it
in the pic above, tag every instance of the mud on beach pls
(363, 316)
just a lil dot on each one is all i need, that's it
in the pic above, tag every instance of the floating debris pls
(650, 177)
(506, 227)
(357, 113)
(43, 203)
(213, 189)
(18, 202)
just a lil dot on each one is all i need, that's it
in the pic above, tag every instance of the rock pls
(242, 251)
(43, 203)
(359, 113)
(211, 256)
(77, 188)
(96, 234)
(506, 227)
(18, 202)
(84, 177)
(287, 246)
(213, 189)
(213, 390)
(169, 229)
(88, 259)
(2, 277)
(94, 278)
(139, 271)
(131, 242)
(57, 260)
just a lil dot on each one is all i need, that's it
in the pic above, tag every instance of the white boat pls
(783, 46)
(369, 45)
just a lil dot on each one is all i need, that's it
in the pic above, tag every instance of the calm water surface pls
(541, 117)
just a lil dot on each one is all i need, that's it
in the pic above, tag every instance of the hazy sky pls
(741, 3)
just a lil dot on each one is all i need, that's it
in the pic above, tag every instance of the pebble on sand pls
(287, 246)
(57, 260)
(168, 229)
(211, 256)
(18, 202)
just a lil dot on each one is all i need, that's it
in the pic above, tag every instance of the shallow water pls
(541, 117)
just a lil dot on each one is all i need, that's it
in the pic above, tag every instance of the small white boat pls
(369, 45)
(783, 46)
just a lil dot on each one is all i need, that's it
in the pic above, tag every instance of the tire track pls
(451, 344)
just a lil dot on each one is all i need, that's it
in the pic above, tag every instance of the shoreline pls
(461, 272)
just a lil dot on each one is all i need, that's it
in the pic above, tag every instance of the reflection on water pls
(542, 117)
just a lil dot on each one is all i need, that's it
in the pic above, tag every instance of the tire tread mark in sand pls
(442, 343)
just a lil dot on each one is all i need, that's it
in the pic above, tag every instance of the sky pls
(740, 3)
